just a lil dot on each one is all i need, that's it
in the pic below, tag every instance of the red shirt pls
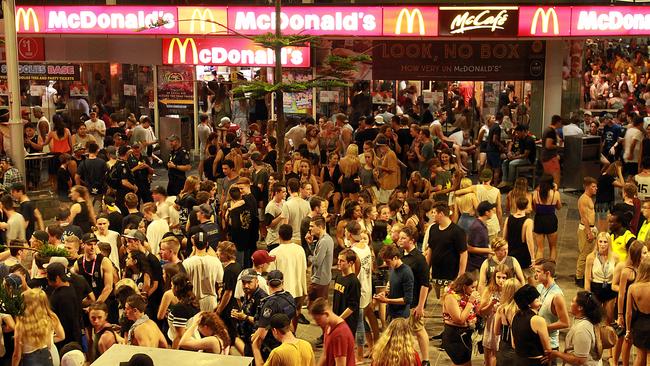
(339, 342)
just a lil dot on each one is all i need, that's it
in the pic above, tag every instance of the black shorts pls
(457, 342)
(603, 291)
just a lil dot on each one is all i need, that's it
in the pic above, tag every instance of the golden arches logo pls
(204, 17)
(410, 21)
(182, 51)
(546, 16)
(27, 16)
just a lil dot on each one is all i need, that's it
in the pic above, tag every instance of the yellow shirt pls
(290, 354)
(619, 245)
(644, 232)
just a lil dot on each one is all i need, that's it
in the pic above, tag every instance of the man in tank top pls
(553, 309)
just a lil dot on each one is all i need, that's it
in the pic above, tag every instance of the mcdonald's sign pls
(407, 21)
(172, 44)
(229, 51)
(538, 21)
(27, 21)
(200, 20)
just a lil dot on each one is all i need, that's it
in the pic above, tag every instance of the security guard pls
(279, 301)
(121, 178)
(178, 164)
(142, 172)
(250, 304)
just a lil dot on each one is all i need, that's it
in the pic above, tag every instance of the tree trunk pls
(279, 109)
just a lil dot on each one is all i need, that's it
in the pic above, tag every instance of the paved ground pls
(568, 223)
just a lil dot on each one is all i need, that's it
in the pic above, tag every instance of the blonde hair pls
(352, 150)
(608, 237)
(395, 346)
(465, 182)
(498, 242)
(644, 271)
(37, 320)
(507, 299)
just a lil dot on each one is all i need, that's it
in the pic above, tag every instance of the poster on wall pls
(130, 90)
(297, 103)
(175, 88)
(344, 48)
(54, 72)
(459, 60)
(328, 96)
(78, 89)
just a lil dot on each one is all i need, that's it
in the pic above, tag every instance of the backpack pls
(605, 338)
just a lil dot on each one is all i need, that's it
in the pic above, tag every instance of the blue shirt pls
(401, 286)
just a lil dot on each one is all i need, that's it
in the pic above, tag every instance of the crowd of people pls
(359, 225)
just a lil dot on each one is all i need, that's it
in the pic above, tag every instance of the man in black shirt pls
(521, 151)
(92, 172)
(121, 179)
(347, 290)
(64, 303)
(142, 171)
(227, 301)
(178, 164)
(447, 252)
(135, 240)
(27, 208)
(204, 213)
(415, 260)
(367, 130)
(69, 229)
(251, 301)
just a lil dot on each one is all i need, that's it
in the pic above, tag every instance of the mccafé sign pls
(484, 21)
(227, 51)
(360, 21)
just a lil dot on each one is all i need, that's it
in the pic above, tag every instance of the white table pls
(168, 357)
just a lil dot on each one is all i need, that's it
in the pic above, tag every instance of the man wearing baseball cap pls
(278, 302)
(251, 300)
(261, 262)
(135, 241)
(292, 351)
(98, 272)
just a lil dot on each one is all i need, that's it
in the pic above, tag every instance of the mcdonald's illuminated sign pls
(199, 20)
(25, 18)
(539, 21)
(229, 51)
(546, 15)
(410, 21)
(182, 51)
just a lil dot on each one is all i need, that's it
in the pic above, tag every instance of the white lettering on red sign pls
(612, 21)
(483, 20)
(86, 20)
(261, 57)
(336, 21)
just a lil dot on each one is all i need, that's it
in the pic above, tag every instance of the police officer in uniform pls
(279, 301)
(253, 297)
(204, 214)
(142, 172)
(178, 164)
(126, 180)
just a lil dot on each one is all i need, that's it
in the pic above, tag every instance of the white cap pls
(73, 358)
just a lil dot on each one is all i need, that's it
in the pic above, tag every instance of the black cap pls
(138, 359)
(249, 275)
(279, 321)
(275, 278)
(484, 207)
(89, 237)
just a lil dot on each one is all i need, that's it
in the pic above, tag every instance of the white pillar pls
(156, 111)
(552, 80)
(17, 151)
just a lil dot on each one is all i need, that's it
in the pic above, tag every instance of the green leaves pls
(52, 251)
(11, 301)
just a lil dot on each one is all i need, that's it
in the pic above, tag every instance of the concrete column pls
(552, 80)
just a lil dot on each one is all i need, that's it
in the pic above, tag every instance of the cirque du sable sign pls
(487, 60)
(484, 21)
(229, 52)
